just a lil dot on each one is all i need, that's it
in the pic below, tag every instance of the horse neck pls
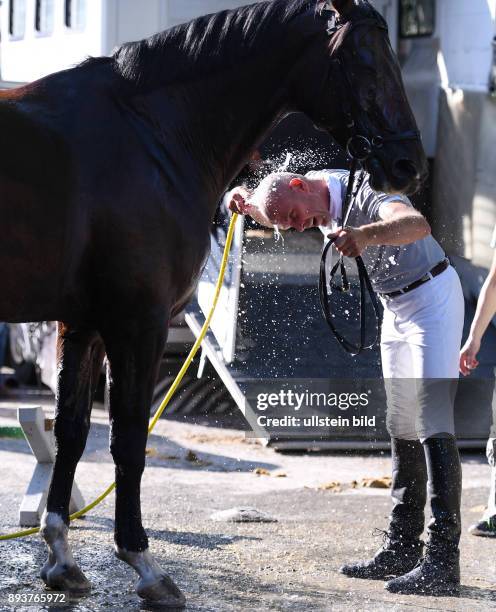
(221, 117)
(236, 110)
(238, 107)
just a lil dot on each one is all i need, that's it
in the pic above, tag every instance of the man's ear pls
(343, 6)
(298, 184)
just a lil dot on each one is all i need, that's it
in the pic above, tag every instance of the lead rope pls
(365, 284)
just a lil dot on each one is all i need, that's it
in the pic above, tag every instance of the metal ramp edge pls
(211, 349)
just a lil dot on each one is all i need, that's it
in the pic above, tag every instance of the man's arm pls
(401, 224)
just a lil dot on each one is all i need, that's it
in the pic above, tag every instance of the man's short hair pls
(270, 191)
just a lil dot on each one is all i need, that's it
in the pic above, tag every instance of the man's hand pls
(237, 200)
(350, 241)
(468, 356)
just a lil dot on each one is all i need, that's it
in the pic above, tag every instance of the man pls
(421, 336)
(485, 311)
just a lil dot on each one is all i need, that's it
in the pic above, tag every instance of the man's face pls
(297, 212)
(290, 202)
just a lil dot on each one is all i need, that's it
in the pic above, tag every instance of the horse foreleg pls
(134, 358)
(79, 357)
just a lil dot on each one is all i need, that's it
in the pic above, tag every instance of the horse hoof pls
(162, 591)
(65, 578)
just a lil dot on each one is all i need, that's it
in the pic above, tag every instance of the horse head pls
(362, 101)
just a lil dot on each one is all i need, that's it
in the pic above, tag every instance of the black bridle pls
(360, 146)
(364, 142)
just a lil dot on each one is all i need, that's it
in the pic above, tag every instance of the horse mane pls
(205, 44)
(364, 9)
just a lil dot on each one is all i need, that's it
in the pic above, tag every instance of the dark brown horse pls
(110, 174)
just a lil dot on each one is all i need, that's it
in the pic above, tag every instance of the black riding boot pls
(402, 546)
(439, 571)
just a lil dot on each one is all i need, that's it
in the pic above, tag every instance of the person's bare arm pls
(486, 309)
(400, 224)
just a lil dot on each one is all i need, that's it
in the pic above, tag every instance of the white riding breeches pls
(420, 344)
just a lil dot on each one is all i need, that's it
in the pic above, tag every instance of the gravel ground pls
(287, 565)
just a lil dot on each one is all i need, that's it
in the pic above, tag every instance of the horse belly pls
(148, 261)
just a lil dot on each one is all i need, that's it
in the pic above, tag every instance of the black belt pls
(435, 271)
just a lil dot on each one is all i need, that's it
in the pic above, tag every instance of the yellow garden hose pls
(172, 388)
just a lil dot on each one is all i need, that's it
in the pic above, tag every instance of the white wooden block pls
(34, 500)
(42, 443)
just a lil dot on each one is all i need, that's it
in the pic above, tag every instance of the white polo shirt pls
(389, 267)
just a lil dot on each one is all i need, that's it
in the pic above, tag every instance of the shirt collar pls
(335, 199)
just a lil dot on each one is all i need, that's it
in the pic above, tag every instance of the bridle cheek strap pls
(367, 143)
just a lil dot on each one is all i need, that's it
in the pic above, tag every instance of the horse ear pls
(343, 6)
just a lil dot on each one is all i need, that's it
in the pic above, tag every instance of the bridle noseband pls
(360, 146)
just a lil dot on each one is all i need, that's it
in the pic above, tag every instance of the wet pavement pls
(324, 518)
